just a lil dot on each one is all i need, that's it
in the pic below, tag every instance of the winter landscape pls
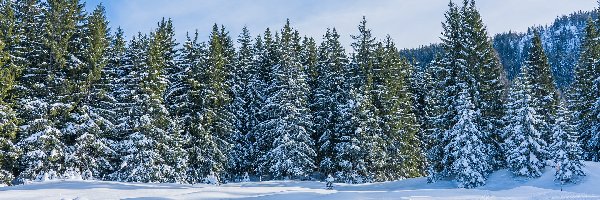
(90, 111)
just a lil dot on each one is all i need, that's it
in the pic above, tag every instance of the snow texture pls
(501, 185)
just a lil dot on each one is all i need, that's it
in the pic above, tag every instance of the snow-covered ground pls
(501, 185)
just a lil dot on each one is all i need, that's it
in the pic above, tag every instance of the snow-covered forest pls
(78, 100)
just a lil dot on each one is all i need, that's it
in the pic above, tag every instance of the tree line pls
(78, 100)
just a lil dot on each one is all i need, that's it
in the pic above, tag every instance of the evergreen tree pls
(288, 125)
(542, 85)
(153, 151)
(482, 59)
(260, 79)
(92, 153)
(365, 114)
(127, 61)
(435, 107)
(211, 124)
(329, 93)
(51, 84)
(193, 59)
(308, 55)
(466, 152)
(113, 89)
(444, 74)
(468, 63)
(406, 158)
(584, 92)
(8, 116)
(565, 149)
(238, 157)
(525, 150)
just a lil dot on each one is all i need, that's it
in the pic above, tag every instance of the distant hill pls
(561, 39)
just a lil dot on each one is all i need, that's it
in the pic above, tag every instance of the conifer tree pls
(543, 89)
(365, 114)
(211, 125)
(308, 55)
(328, 94)
(482, 59)
(583, 93)
(565, 149)
(444, 74)
(260, 79)
(194, 60)
(435, 123)
(525, 150)
(238, 156)
(153, 151)
(406, 158)
(9, 71)
(92, 152)
(466, 152)
(292, 154)
(51, 85)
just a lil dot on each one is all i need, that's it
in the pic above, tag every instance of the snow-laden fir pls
(79, 101)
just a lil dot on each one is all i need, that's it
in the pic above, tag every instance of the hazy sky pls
(410, 22)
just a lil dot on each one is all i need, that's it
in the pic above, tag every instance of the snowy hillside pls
(501, 185)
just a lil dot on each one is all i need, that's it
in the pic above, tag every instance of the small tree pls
(565, 149)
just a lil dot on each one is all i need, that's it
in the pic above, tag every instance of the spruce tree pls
(483, 61)
(193, 59)
(435, 122)
(466, 152)
(238, 156)
(261, 77)
(406, 158)
(153, 151)
(328, 94)
(292, 154)
(565, 149)
(365, 114)
(583, 94)
(135, 148)
(211, 125)
(53, 85)
(8, 116)
(524, 148)
(542, 83)
(92, 152)
(444, 74)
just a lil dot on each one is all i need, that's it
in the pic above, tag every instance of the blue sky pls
(410, 22)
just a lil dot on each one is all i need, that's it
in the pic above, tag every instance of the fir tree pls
(8, 116)
(238, 157)
(542, 85)
(583, 94)
(466, 152)
(328, 94)
(193, 59)
(260, 79)
(525, 150)
(49, 77)
(565, 149)
(288, 125)
(482, 59)
(92, 153)
(435, 108)
(153, 151)
(365, 114)
(444, 78)
(406, 158)
(211, 125)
